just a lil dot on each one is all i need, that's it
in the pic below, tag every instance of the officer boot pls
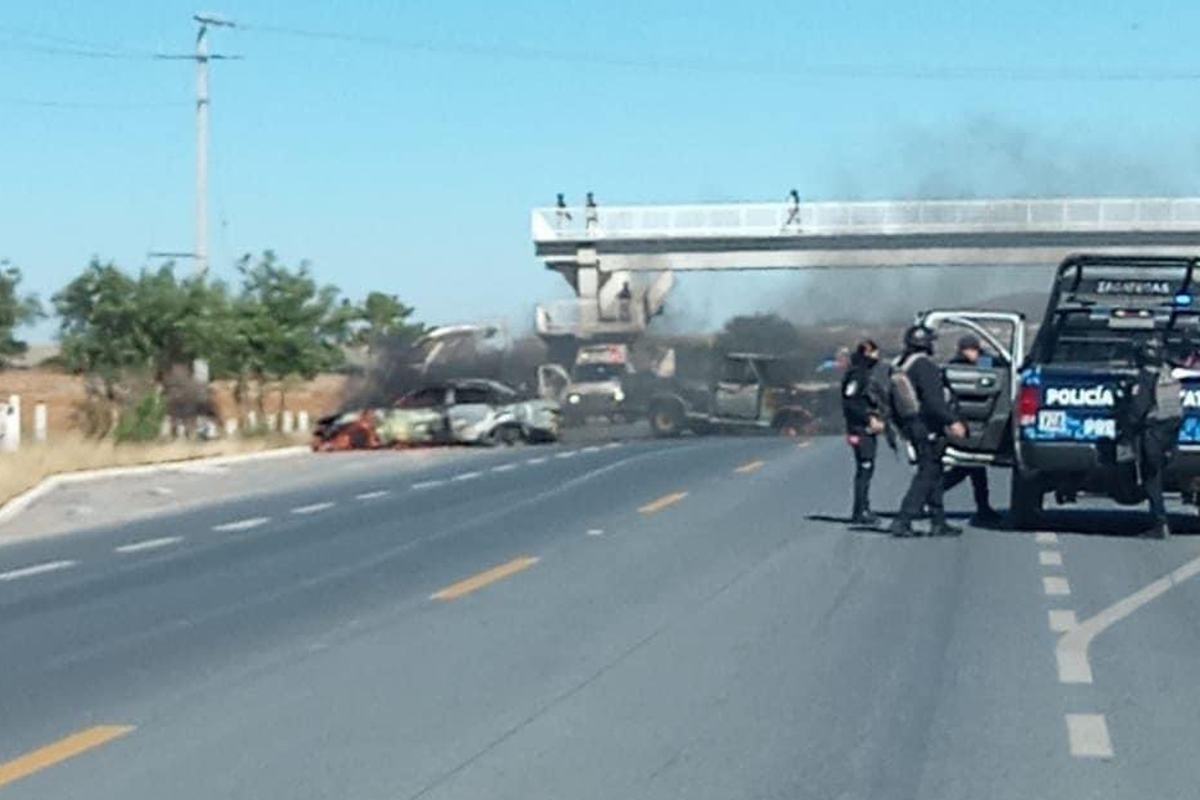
(902, 528)
(940, 527)
(1159, 530)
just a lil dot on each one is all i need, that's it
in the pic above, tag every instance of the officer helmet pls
(1149, 352)
(919, 338)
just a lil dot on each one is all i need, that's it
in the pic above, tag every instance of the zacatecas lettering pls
(1133, 287)
(1085, 396)
(1191, 398)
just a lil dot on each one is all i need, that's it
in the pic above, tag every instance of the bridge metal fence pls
(879, 217)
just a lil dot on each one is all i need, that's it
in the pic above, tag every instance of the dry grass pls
(34, 463)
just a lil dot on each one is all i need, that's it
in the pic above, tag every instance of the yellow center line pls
(662, 502)
(753, 466)
(51, 754)
(489, 576)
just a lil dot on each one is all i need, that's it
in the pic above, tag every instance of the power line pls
(89, 104)
(76, 52)
(827, 70)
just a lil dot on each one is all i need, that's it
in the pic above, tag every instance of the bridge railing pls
(875, 217)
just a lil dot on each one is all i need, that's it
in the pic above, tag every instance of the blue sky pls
(413, 170)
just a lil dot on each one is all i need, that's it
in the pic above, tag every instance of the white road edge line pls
(36, 569)
(1046, 538)
(242, 524)
(427, 484)
(1061, 620)
(1088, 736)
(314, 508)
(371, 495)
(148, 544)
(1055, 586)
(1071, 651)
(504, 467)
(1050, 558)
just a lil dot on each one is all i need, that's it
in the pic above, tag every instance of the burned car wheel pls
(506, 436)
(666, 419)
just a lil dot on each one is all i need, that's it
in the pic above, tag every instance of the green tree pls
(15, 310)
(284, 323)
(769, 334)
(113, 323)
(382, 320)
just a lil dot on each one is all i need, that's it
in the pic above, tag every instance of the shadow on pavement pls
(1109, 522)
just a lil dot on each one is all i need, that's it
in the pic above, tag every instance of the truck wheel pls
(666, 419)
(1025, 501)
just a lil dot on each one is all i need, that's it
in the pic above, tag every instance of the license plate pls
(1100, 428)
(1052, 421)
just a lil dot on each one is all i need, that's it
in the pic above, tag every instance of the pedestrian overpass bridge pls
(602, 251)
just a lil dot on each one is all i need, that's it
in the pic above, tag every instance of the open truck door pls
(552, 382)
(985, 391)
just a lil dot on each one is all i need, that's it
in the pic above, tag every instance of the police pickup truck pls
(1052, 414)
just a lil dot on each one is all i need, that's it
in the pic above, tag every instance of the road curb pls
(23, 500)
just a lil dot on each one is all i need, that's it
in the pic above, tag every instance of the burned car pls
(470, 411)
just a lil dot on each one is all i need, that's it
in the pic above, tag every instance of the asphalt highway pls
(637, 619)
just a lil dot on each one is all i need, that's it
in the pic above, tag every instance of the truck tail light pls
(1028, 403)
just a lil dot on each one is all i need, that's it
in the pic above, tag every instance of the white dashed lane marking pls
(427, 484)
(242, 524)
(149, 544)
(1061, 620)
(1056, 587)
(1088, 735)
(312, 509)
(538, 460)
(591, 448)
(466, 476)
(372, 495)
(566, 454)
(36, 569)
(595, 532)
(504, 467)
(1046, 538)
(1050, 558)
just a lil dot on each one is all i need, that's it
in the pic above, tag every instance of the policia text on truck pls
(1074, 413)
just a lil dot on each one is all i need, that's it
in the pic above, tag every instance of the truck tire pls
(667, 419)
(1025, 501)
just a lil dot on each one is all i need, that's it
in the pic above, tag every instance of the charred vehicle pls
(598, 385)
(450, 412)
(752, 393)
(1053, 416)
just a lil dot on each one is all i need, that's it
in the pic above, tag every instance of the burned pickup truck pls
(470, 411)
(1053, 415)
(751, 393)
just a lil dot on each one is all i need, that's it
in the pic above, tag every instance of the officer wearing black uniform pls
(970, 353)
(1156, 416)
(927, 429)
(864, 407)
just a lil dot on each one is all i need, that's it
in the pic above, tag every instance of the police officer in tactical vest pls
(864, 405)
(919, 402)
(1155, 414)
(971, 353)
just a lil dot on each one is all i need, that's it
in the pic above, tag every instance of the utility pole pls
(203, 100)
